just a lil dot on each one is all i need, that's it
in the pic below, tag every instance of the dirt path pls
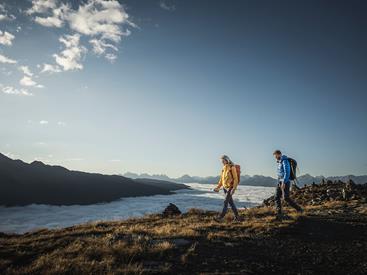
(327, 244)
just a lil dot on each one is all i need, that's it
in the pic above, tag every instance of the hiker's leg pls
(278, 196)
(288, 199)
(225, 204)
(233, 206)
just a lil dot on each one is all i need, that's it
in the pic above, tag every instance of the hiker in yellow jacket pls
(229, 181)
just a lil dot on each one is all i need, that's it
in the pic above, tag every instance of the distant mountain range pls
(256, 180)
(22, 183)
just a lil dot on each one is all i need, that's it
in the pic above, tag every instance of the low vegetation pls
(328, 238)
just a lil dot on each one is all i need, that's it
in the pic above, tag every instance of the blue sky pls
(167, 87)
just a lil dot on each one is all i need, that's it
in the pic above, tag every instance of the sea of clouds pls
(33, 217)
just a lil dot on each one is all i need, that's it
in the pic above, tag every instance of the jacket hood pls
(284, 157)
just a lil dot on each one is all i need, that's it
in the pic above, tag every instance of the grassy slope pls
(328, 238)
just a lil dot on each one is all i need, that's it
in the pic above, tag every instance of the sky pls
(167, 87)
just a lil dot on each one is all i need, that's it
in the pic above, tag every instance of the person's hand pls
(216, 189)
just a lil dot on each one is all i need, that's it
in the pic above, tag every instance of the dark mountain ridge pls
(256, 180)
(23, 183)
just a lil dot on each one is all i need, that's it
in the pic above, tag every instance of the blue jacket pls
(284, 169)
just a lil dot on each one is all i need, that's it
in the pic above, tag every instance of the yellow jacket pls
(228, 178)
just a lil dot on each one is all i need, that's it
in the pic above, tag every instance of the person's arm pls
(219, 185)
(287, 170)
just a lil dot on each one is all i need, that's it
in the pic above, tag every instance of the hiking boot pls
(218, 219)
(237, 219)
(279, 217)
(300, 210)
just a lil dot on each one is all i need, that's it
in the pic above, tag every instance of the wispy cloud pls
(70, 57)
(44, 122)
(29, 82)
(115, 160)
(25, 70)
(111, 57)
(100, 19)
(57, 18)
(100, 47)
(7, 60)
(6, 38)
(90, 26)
(165, 5)
(48, 68)
(14, 91)
(4, 15)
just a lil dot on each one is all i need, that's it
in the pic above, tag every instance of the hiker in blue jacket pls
(284, 183)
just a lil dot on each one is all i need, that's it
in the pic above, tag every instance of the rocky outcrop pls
(316, 194)
(171, 210)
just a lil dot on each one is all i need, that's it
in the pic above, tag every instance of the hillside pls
(22, 183)
(330, 237)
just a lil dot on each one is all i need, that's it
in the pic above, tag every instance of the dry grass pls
(136, 246)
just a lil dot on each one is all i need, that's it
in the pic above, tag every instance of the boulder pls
(171, 210)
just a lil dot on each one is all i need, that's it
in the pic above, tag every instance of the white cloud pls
(48, 68)
(6, 38)
(56, 19)
(29, 82)
(41, 6)
(100, 46)
(7, 60)
(43, 122)
(13, 91)
(49, 21)
(166, 6)
(70, 57)
(4, 14)
(111, 57)
(115, 160)
(26, 70)
(99, 17)
(61, 123)
(101, 20)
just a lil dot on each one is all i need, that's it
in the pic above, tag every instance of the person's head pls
(277, 154)
(225, 160)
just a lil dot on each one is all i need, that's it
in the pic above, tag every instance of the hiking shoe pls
(237, 219)
(218, 219)
(300, 210)
(279, 217)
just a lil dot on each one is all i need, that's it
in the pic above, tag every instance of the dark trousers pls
(228, 200)
(278, 198)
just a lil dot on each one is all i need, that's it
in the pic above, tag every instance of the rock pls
(180, 242)
(316, 194)
(171, 210)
